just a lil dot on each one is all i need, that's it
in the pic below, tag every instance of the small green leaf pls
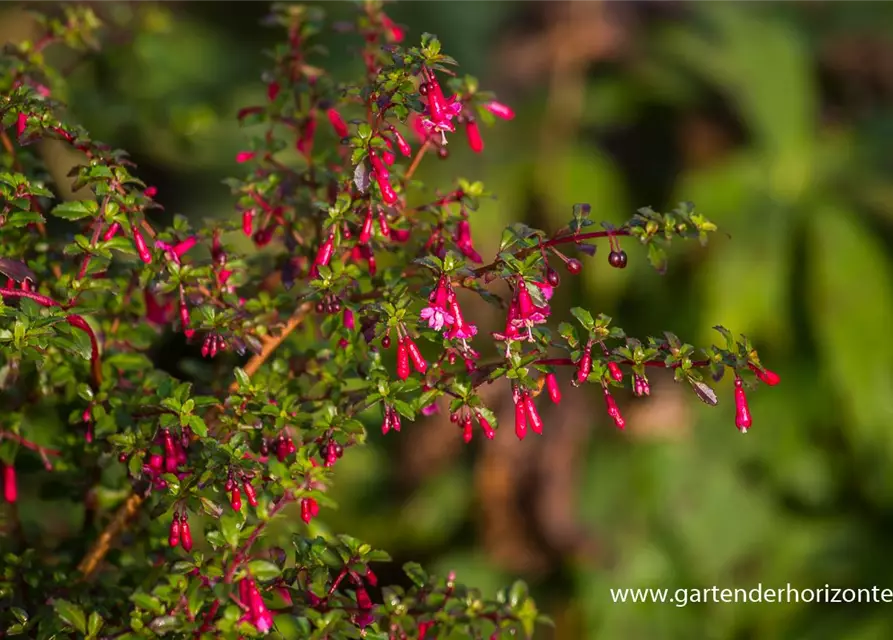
(71, 614)
(76, 209)
(263, 570)
(415, 573)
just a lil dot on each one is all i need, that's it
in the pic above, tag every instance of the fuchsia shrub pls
(327, 188)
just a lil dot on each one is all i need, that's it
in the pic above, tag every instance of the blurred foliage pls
(776, 120)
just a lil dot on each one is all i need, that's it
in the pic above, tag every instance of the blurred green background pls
(775, 119)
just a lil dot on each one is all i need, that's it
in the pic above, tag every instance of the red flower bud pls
(366, 231)
(499, 110)
(111, 232)
(520, 418)
(173, 536)
(10, 485)
(473, 132)
(184, 320)
(536, 423)
(244, 156)
(309, 509)
(553, 388)
(235, 499)
(415, 355)
(383, 224)
(248, 222)
(387, 191)
(485, 425)
(743, 419)
(337, 122)
(250, 493)
(402, 144)
(467, 429)
(402, 360)
(371, 578)
(272, 91)
(584, 367)
(615, 371)
(141, 248)
(613, 411)
(765, 375)
(185, 534)
(21, 123)
(324, 255)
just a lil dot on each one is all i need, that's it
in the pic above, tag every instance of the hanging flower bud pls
(615, 371)
(437, 105)
(111, 232)
(394, 32)
(485, 425)
(765, 375)
(402, 360)
(402, 144)
(184, 320)
(553, 388)
(272, 91)
(309, 509)
(235, 499)
(387, 191)
(21, 123)
(383, 226)
(467, 429)
(185, 534)
(584, 366)
(366, 231)
(323, 256)
(245, 156)
(156, 462)
(371, 578)
(250, 493)
(386, 421)
(520, 417)
(349, 322)
(499, 110)
(141, 248)
(173, 536)
(640, 385)
(536, 423)
(248, 222)
(742, 411)
(10, 484)
(388, 154)
(473, 132)
(525, 302)
(418, 362)
(613, 411)
(337, 123)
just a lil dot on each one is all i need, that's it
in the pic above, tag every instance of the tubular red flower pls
(141, 248)
(520, 417)
(248, 222)
(10, 484)
(387, 191)
(366, 230)
(765, 375)
(337, 123)
(245, 156)
(402, 360)
(499, 110)
(473, 133)
(185, 534)
(533, 416)
(402, 144)
(235, 499)
(323, 256)
(111, 232)
(485, 426)
(553, 388)
(21, 123)
(615, 371)
(272, 91)
(173, 536)
(418, 362)
(467, 432)
(584, 366)
(613, 411)
(743, 418)
(383, 226)
(250, 493)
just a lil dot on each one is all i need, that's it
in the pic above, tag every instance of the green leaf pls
(71, 614)
(263, 570)
(657, 257)
(584, 317)
(94, 624)
(415, 573)
(242, 377)
(76, 209)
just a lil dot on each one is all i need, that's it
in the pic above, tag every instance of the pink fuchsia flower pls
(437, 313)
(499, 110)
(157, 313)
(613, 411)
(415, 123)
(176, 251)
(460, 330)
(743, 419)
(443, 122)
(21, 123)
(245, 156)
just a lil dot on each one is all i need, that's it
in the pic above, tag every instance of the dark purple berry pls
(386, 342)
(617, 259)
(423, 89)
(320, 307)
(552, 277)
